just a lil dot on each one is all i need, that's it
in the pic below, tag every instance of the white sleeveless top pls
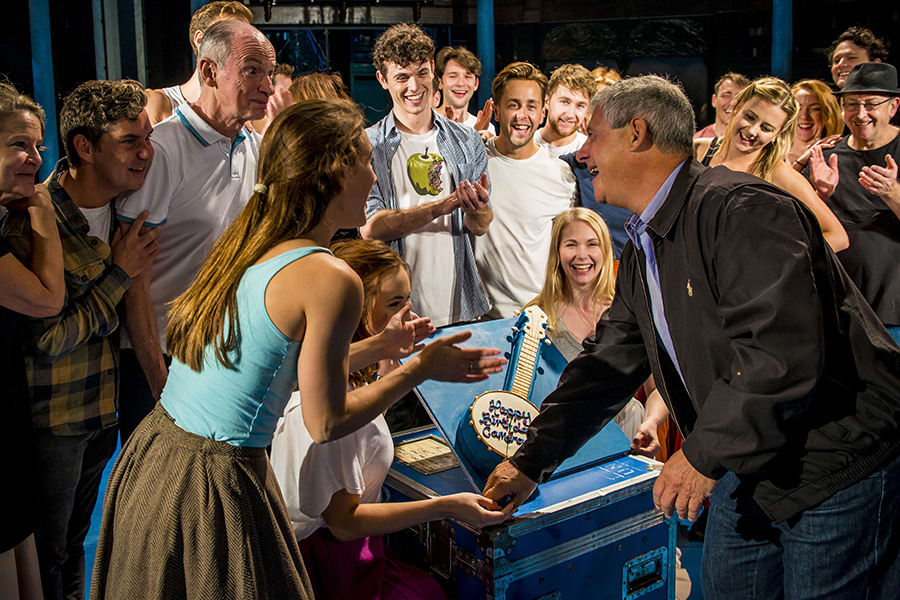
(175, 96)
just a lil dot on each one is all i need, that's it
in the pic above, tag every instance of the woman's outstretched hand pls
(443, 360)
(474, 509)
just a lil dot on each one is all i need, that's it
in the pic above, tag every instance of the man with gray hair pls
(203, 174)
(789, 404)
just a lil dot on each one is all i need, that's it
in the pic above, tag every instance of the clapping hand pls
(483, 118)
(473, 197)
(881, 181)
(824, 175)
(823, 143)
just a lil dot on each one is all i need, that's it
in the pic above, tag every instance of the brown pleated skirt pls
(189, 517)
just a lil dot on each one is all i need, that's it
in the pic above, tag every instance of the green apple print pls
(424, 172)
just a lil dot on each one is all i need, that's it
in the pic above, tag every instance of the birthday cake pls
(497, 421)
(496, 427)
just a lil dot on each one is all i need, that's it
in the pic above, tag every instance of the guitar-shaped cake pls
(497, 420)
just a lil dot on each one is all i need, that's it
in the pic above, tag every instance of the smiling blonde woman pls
(757, 141)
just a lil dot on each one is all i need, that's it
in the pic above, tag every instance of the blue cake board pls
(448, 403)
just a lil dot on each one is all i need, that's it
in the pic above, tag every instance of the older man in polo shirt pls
(203, 174)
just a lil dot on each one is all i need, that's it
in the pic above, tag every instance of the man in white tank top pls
(161, 103)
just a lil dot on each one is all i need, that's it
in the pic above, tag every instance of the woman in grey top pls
(579, 287)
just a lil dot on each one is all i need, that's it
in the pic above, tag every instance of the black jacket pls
(791, 382)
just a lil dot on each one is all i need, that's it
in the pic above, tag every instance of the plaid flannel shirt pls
(72, 359)
(466, 159)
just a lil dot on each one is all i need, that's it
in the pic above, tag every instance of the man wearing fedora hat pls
(858, 180)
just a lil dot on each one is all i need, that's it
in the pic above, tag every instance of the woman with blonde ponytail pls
(193, 493)
(757, 141)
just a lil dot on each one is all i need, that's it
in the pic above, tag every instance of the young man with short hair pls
(459, 70)
(722, 101)
(530, 187)
(72, 359)
(568, 93)
(856, 45)
(432, 187)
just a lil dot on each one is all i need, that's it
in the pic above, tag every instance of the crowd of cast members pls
(189, 293)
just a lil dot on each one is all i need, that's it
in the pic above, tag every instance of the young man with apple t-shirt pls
(530, 187)
(569, 92)
(432, 188)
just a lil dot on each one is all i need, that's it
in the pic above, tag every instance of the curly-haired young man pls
(432, 188)
(854, 46)
(72, 359)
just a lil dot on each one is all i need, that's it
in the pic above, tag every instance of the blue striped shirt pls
(466, 160)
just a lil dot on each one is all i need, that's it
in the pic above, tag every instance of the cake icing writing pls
(508, 425)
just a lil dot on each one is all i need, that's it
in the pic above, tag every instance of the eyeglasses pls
(853, 107)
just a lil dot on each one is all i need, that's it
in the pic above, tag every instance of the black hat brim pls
(879, 91)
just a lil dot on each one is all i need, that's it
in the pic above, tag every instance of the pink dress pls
(363, 570)
(309, 475)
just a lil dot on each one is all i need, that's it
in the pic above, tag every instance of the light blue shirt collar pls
(637, 224)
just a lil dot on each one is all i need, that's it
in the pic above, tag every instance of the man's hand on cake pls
(443, 360)
(402, 334)
(508, 481)
(474, 509)
(681, 486)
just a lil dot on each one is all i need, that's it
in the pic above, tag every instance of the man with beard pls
(569, 91)
(530, 187)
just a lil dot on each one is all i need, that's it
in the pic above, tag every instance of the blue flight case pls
(591, 531)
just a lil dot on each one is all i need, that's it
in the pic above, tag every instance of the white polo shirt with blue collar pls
(196, 186)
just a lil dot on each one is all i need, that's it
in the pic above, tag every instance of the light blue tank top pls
(241, 406)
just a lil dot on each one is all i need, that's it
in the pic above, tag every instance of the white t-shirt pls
(421, 176)
(556, 151)
(512, 256)
(99, 221)
(309, 474)
(470, 122)
(197, 185)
